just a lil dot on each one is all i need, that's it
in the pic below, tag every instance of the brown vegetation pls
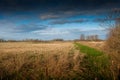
(43, 61)
(54, 60)
(112, 47)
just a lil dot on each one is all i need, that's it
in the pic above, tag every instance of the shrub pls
(113, 48)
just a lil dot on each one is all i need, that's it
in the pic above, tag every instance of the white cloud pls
(8, 30)
(7, 26)
(52, 31)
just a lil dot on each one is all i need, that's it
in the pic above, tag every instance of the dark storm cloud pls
(56, 5)
(71, 13)
(68, 21)
(61, 3)
(66, 14)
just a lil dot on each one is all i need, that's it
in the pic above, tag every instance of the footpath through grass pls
(95, 62)
(88, 50)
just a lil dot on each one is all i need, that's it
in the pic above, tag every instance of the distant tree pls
(82, 37)
(96, 37)
(58, 40)
(2, 40)
(76, 40)
(92, 38)
(88, 38)
(12, 40)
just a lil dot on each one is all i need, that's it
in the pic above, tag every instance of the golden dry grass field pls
(21, 47)
(35, 60)
(43, 61)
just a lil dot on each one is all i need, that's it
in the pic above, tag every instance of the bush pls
(113, 48)
(113, 43)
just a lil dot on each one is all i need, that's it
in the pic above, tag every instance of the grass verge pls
(95, 62)
(88, 50)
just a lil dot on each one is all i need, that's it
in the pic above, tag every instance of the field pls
(54, 61)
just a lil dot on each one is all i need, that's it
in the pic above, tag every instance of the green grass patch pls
(88, 50)
(95, 62)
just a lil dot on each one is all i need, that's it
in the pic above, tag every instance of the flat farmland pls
(21, 47)
(52, 61)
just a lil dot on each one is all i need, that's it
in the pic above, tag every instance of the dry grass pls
(21, 47)
(41, 61)
(48, 61)
(112, 47)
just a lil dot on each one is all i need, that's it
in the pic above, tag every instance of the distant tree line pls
(2, 40)
(82, 38)
(58, 40)
(31, 40)
(89, 37)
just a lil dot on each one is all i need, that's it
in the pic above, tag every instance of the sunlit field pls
(22, 47)
(53, 61)
(38, 61)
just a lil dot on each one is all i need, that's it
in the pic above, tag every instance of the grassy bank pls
(96, 63)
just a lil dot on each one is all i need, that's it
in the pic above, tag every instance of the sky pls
(52, 19)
